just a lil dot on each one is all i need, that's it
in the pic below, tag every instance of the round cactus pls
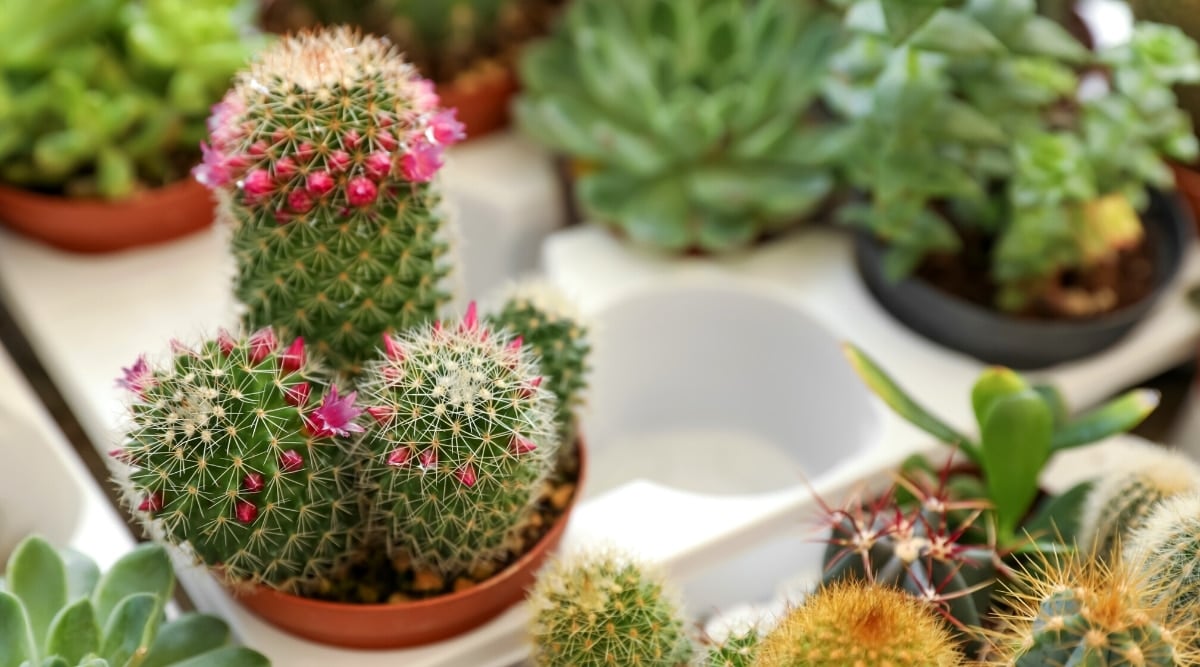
(599, 609)
(548, 323)
(462, 443)
(855, 623)
(233, 452)
(322, 156)
(1121, 501)
(738, 650)
(1166, 549)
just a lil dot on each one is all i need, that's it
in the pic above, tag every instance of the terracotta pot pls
(390, 626)
(482, 98)
(97, 226)
(1187, 179)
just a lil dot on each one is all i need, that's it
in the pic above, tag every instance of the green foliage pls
(1185, 15)
(968, 122)
(692, 119)
(601, 609)
(115, 620)
(103, 97)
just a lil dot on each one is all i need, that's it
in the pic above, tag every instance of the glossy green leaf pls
(1056, 402)
(37, 576)
(1117, 416)
(230, 656)
(188, 636)
(1058, 517)
(994, 383)
(74, 633)
(146, 569)
(16, 644)
(955, 33)
(130, 628)
(1016, 434)
(56, 661)
(905, 16)
(82, 574)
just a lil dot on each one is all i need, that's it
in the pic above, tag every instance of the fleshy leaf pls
(17, 644)
(1016, 434)
(188, 636)
(74, 634)
(130, 628)
(1117, 416)
(37, 576)
(230, 656)
(146, 569)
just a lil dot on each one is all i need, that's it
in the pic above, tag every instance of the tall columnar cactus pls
(1167, 550)
(738, 650)
(236, 450)
(323, 155)
(600, 609)
(855, 623)
(549, 324)
(1089, 615)
(1121, 501)
(462, 442)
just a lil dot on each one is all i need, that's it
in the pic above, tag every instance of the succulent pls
(598, 609)
(1184, 14)
(1121, 501)
(1083, 613)
(106, 97)
(462, 443)
(855, 623)
(973, 137)
(738, 650)
(56, 610)
(322, 155)
(549, 325)
(236, 451)
(692, 122)
(1166, 549)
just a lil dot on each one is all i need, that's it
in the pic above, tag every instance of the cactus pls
(462, 443)
(322, 156)
(598, 609)
(1166, 549)
(548, 323)
(854, 623)
(738, 650)
(57, 610)
(1121, 501)
(1078, 614)
(233, 452)
(106, 97)
(690, 120)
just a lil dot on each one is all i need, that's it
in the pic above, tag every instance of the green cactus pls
(56, 610)
(1166, 549)
(738, 650)
(1121, 501)
(103, 97)
(233, 453)
(462, 443)
(602, 608)
(854, 623)
(548, 323)
(324, 176)
(691, 119)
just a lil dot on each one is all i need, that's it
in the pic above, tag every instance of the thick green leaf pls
(131, 627)
(1056, 401)
(1117, 416)
(146, 569)
(953, 32)
(1057, 518)
(896, 398)
(56, 661)
(16, 643)
(187, 636)
(82, 574)
(905, 16)
(74, 633)
(994, 384)
(230, 656)
(37, 576)
(1044, 37)
(1016, 434)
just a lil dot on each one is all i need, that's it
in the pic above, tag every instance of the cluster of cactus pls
(691, 120)
(57, 610)
(103, 97)
(738, 650)
(1166, 550)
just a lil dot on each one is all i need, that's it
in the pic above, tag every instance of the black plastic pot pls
(1024, 344)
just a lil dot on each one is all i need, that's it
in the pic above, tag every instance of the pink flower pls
(425, 97)
(262, 344)
(293, 357)
(421, 162)
(257, 183)
(387, 140)
(300, 201)
(470, 319)
(445, 128)
(361, 191)
(381, 414)
(378, 164)
(222, 123)
(398, 458)
(214, 169)
(245, 511)
(225, 341)
(335, 416)
(392, 348)
(520, 445)
(138, 377)
(319, 183)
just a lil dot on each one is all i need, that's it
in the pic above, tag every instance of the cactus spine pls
(462, 443)
(738, 650)
(855, 623)
(1167, 550)
(1121, 501)
(322, 156)
(233, 452)
(603, 609)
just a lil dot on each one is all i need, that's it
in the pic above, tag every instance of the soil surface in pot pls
(380, 579)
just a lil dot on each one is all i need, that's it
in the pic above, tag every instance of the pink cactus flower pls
(530, 390)
(421, 162)
(399, 457)
(293, 357)
(253, 483)
(297, 394)
(520, 445)
(262, 343)
(335, 416)
(351, 139)
(378, 164)
(387, 140)
(515, 344)
(470, 319)
(300, 201)
(257, 184)
(222, 122)
(425, 97)
(214, 170)
(258, 148)
(445, 130)
(466, 475)
(380, 414)
(291, 461)
(225, 342)
(319, 183)
(429, 459)
(339, 161)
(137, 378)
(392, 348)
(245, 511)
(305, 151)
(153, 502)
(361, 191)
(285, 168)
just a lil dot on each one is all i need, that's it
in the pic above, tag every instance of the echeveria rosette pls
(237, 451)
(324, 156)
(691, 121)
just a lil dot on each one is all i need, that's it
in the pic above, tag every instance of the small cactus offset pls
(322, 156)
(856, 623)
(601, 609)
(1121, 501)
(236, 451)
(1166, 549)
(548, 323)
(462, 443)
(738, 650)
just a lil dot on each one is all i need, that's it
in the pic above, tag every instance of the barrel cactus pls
(236, 450)
(738, 650)
(602, 608)
(691, 121)
(1121, 501)
(1166, 549)
(856, 623)
(322, 156)
(56, 610)
(461, 444)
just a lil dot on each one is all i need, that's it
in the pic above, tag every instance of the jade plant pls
(323, 156)
(692, 123)
(1003, 159)
(57, 610)
(104, 98)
